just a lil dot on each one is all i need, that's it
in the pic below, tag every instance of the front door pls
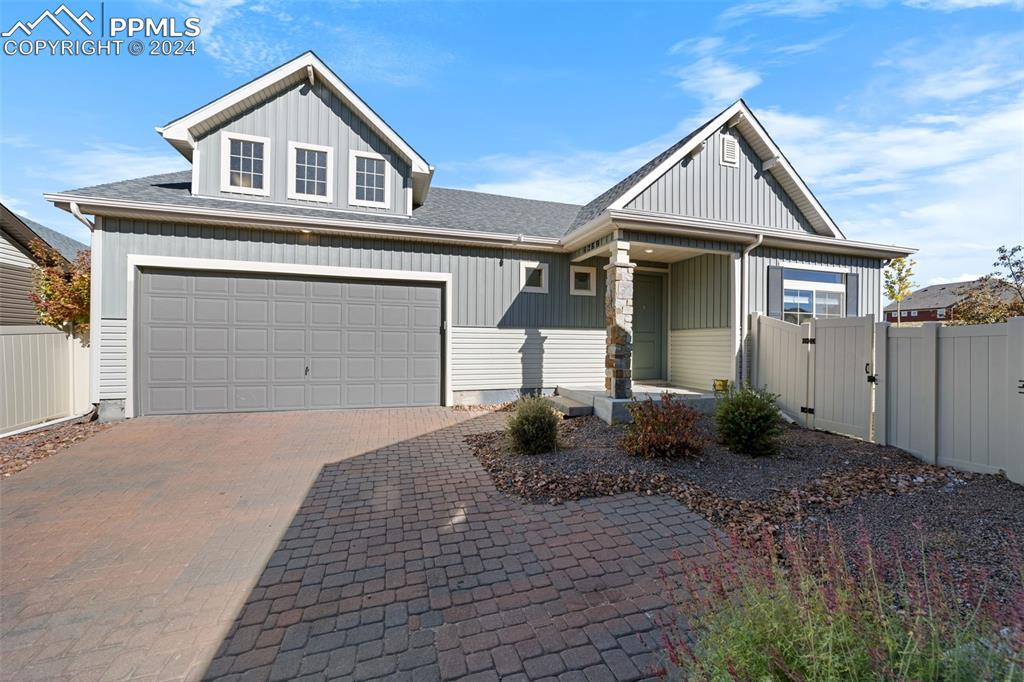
(648, 328)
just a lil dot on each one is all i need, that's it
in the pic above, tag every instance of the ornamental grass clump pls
(812, 611)
(747, 421)
(533, 426)
(667, 428)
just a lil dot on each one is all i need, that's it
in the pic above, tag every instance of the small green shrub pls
(748, 422)
(667, 428)
(533, 426)
(813, 612)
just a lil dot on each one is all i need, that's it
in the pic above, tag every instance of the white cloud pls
(16, 205)
(962, 277)
(715, 81)
(806, 47)
(954, 5)
(784, 8)
(99, 163)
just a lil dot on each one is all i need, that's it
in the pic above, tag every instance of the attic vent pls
(730, 151)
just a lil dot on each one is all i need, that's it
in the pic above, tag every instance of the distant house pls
(934, 303)
(16, 261)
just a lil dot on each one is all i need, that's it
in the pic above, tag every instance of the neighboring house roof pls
(943, 295)
(739, 117)
(447, 209)
(182, 132)
(24, 230)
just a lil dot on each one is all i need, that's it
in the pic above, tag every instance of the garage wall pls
(486, 297)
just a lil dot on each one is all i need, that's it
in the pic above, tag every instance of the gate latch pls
(872, 378)
(807, 410)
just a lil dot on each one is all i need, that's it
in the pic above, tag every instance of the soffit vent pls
(730, 150)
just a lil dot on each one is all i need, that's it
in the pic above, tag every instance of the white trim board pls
(136, 261)
(355, 154)
(292, 193)
(226, 136)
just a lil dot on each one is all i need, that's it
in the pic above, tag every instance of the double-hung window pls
(369, 180)
(311, 172)
(812, 293)
(244, 164)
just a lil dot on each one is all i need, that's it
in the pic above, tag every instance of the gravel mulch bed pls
(973, 523)
(974, 528)
(21, 451)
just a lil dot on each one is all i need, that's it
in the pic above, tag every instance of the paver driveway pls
(346, 545)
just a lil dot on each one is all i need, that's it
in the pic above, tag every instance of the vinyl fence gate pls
(823, 370)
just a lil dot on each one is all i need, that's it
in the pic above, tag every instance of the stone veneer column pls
(618, 309)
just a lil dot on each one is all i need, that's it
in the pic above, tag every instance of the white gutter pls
(81, 218)
(745, 303)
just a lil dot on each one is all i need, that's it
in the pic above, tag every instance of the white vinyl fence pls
(44, 375)
(954, 396)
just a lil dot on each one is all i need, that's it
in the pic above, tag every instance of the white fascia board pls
(178, 132)
(206, 215)
(723, 119)
(734, 232)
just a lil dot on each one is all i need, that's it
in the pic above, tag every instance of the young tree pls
(61, 291)
(899, 281)
(996, 297)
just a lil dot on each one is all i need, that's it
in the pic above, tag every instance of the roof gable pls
(739, 118)
(182, 132)
(24, 230)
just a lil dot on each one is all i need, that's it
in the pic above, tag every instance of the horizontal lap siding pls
(869, 271)
(698, 356)
(703, 188)
(15, 286)
(485, 286)
(113, 371)
(487, 358)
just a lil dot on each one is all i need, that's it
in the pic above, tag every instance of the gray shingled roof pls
(450, 209)
(64, 244)
(940, 296)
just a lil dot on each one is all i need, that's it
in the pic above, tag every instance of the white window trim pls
(137, 261)
(353, 155)
(293, 147)
(531, 265)
(814, 288)
(573, 291)
(940, 313)
(225, 164)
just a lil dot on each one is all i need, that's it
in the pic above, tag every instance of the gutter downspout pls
(744, 304)
(75, 211)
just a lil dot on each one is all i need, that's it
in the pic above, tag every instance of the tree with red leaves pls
(61, 288)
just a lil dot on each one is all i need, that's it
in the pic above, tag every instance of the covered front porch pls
(672, 309)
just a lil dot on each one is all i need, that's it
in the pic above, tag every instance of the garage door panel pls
(224, 342)
(209, 369)
(167, 339)
(211, 310)
(289, 340)
(210, 340)
(252, 312)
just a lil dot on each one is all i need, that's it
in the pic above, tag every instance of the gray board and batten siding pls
(701, 187)
(314, 115)
(485, 289)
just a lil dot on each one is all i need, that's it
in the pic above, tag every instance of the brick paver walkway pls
(407, 564)
(339, 545)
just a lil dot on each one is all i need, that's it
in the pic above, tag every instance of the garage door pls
(219, 342)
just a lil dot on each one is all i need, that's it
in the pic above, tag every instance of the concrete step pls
(569, 407)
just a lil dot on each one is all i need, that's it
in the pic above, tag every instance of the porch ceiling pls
(659, 253)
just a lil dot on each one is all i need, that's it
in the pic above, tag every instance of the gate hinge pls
(810, 341)
(1020, 386)
(444, 326)
(872, 379)
(807, 410)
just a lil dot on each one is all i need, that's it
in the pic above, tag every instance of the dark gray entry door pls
(648, 327)
(220, 342)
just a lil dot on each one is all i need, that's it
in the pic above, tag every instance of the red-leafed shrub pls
(816, 610)
(667, 428)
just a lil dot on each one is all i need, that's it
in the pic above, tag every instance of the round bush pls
(533, 426)
(747, 421)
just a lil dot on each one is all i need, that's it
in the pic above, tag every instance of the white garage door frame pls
(137, 261)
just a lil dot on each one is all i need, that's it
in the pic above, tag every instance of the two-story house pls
(306, 261)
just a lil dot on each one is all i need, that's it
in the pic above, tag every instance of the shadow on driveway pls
(406, 563)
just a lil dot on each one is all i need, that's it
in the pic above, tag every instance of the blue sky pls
(906, 118)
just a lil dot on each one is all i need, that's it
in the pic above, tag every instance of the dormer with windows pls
(299, 136)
